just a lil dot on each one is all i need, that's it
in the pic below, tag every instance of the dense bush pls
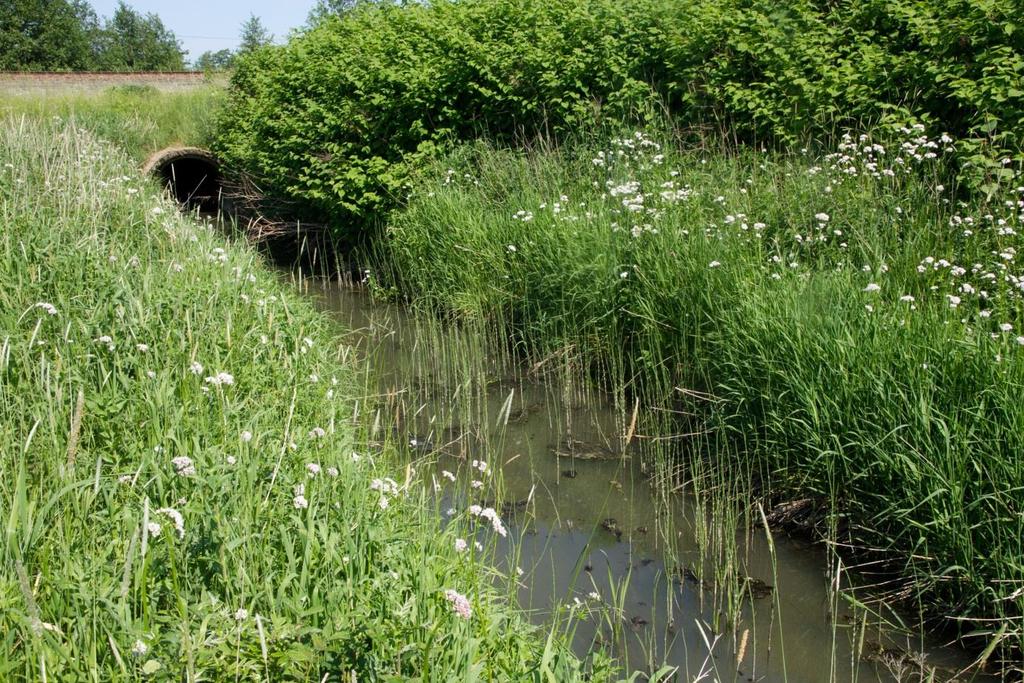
(335, 120)
(338, 117)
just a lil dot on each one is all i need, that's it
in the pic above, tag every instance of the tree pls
(47, 35)
(133, 42)
(326, 8)
(215, 61)
(254, 35)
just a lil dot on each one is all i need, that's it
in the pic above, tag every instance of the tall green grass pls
(183, 492)
(140, 119)
(850, 323)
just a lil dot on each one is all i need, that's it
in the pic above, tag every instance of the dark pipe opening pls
(194, 182)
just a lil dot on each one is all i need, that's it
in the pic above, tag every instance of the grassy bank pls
(140, 120)
(182, 489)
(853, 326)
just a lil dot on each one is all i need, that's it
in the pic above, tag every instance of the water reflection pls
(591, 534)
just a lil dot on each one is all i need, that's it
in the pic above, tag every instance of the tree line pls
(68, 35)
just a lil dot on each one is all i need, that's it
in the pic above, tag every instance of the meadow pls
(185, 488)
(139, 119)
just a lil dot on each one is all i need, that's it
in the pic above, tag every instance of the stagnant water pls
(595, 523)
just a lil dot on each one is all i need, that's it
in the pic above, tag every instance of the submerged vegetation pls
(183, 490)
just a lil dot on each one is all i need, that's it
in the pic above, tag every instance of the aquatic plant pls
(847, 320)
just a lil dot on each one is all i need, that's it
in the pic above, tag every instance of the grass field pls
(183, 490)
(849, 322)
(138, 119)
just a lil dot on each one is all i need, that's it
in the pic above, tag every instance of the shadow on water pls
(593, 534)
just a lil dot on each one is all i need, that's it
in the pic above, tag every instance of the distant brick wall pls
(41, 82)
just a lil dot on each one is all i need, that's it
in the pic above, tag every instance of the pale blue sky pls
(203, 25)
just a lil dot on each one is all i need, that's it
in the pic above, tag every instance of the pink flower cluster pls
(460, 603)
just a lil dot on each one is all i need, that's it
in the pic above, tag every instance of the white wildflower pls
(385, 486)
(175, 516)
(490, 515)
(460, 603)
(221, 378)
(183, 466)
(299, 501)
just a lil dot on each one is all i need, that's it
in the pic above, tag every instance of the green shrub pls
(338, 118)
(335, 121)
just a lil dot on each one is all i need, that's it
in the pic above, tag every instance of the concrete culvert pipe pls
(190, 174)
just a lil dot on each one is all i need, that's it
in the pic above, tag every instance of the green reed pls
(848, 325)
